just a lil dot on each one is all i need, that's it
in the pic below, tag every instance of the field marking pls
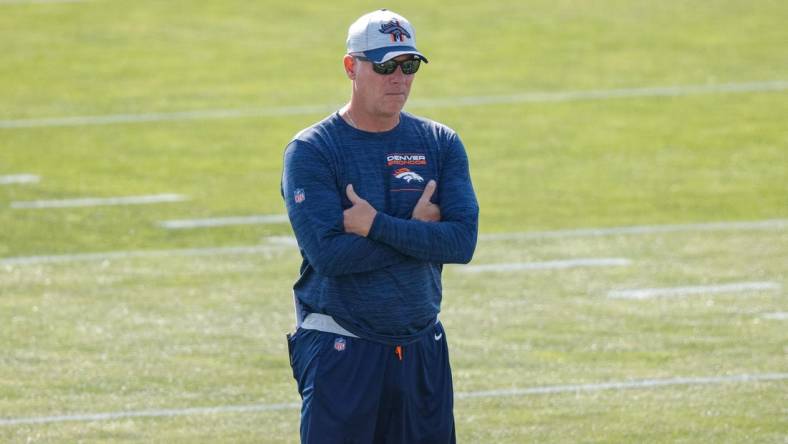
(224, 221)
(624, 385)
(153, 413)
(773, 224)
(736, 287)
(605, 94)
(546, 265)
(449, 102)
(99, 201)
(18, 178)
(207, 114)
(778, 316)
(512, 392)
(112, 255)
(26, 2)
(769, 224)
(282, 240)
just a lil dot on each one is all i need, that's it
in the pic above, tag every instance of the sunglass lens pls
(389, 66)
(410, 66)
(385, 68)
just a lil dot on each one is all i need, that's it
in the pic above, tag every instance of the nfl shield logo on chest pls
(339, 344)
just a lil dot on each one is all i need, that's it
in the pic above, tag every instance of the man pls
(379, 200)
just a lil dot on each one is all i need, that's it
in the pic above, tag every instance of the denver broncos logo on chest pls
(407, 175)
(407, 170)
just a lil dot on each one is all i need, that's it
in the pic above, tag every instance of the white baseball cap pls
(382, 35)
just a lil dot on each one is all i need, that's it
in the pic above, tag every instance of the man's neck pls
(365, 122)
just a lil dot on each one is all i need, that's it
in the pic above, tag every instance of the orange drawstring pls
(398, 352)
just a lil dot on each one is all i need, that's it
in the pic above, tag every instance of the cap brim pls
(381, 55)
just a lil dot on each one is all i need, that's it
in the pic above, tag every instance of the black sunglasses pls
(409, 66)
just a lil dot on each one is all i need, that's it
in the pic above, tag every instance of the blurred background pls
(145, 262)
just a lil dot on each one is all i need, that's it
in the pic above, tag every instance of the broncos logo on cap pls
(397, 31)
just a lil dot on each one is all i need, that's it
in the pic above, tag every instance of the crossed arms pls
(360, 239)
(359, 218)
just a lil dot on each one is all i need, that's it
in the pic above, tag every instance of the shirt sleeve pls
(453, 239)
(314, 206)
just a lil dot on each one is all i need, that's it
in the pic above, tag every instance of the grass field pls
(551, 99)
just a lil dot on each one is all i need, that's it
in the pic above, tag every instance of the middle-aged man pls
(379, 200)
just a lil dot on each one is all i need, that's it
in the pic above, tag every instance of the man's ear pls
(350, 66)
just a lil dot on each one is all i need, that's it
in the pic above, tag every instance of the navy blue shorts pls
(360, 391)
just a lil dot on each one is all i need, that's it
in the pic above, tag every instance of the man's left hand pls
(358, 218)
(425, 210)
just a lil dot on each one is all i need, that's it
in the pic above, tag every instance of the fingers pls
(354, 199)
(429, 190)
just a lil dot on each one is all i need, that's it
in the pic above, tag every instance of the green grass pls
(193, 332)
(180, 332)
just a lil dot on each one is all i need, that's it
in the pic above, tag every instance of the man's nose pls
(397, 76)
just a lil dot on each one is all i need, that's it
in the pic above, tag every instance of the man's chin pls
(392, 107)
(395, 98)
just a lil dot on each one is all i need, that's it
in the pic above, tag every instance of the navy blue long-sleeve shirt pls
(387, 285)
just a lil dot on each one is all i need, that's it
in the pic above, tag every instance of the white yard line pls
(737, 287)
(10, 179)
(99, 201)
(604, 94)
(547, 265)
(510, 392)
(282, 240)
(224, 221)
(25, 2)
(207, 114)
(114, 255)
(778, 316)
(153, 413)
(449, 102)
(770, 224)
(774, 224)
(624, 385)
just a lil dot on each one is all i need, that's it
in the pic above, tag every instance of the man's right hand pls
(425, 210)
(358, 219)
